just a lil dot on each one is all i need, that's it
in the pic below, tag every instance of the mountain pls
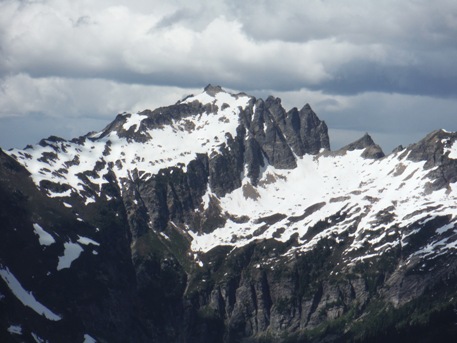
(225, 218)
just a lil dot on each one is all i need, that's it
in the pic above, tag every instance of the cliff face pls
(224, 218)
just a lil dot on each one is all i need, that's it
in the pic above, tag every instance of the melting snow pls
(453, 151)
(89, 339)
(25, 297)
(60, 195)
(89, 201)
(43, 237)
(163, 234)
(38, 339)
(134, 120)
(87, 241)
(15, 329)
(71, 253)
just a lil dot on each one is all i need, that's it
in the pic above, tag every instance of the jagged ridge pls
(238, 214)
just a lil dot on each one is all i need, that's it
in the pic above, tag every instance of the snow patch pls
(89, 201)
(89, 339)
(134, 120)
(445, 228)
(87, 241)
(25, 297)
(43, 237)
(71, 253)
(38, 339)
(163, 234)
(453, 151)
(15, 329)
(65, 194)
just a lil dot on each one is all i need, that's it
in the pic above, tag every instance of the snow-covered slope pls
(364, 192)
(217, 173)
(175, 144)
(359, 189)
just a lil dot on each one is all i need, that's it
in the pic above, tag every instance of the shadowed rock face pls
(348, 266)
(281, 134)
(308, 135)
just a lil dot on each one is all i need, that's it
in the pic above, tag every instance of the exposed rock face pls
(279, 134)
(434, 149)
(308, 134)
(224, 218)
(213, 90)
(371, 149)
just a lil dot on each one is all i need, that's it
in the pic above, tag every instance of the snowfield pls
(344, 186)
(348, 183)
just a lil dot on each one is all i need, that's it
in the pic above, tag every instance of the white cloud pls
(62, 97)
(243, 46)
(92, 59)
(31, 109)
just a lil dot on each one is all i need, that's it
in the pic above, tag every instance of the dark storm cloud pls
(361, 76)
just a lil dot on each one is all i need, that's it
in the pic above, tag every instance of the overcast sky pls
(387, 67)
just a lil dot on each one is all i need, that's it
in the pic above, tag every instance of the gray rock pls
(431, 149)
(371, 149)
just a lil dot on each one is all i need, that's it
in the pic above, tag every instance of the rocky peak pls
(360, 143)
(431, 148)
(309, 116)
(115, 125)
(213, 90)
(50, 140)
(398, 149)
(272, 133)
(436, 150)
(371, 149)
(278, 136)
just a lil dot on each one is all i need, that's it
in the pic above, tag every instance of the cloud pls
(275, 45)
(75, 98)
(31, 109)
(91, 59)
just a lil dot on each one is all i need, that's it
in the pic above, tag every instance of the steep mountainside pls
(224, 218)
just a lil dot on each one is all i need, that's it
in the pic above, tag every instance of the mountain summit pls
(225, 218)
